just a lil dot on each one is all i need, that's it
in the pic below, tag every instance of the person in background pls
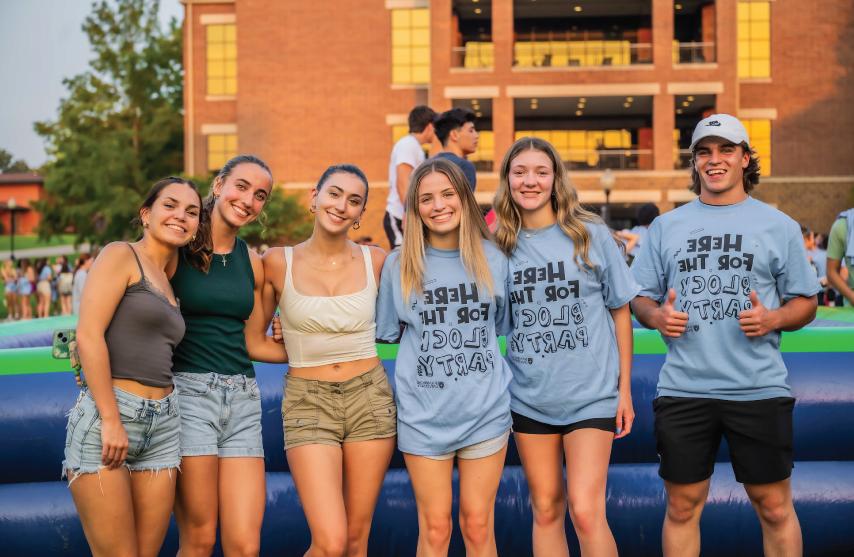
(44, 291)
(64, 284)
(840, 248)
(818, 259)
(81, 270)
(26, 285)
(456, 131)
(406, 155)
(10, 282)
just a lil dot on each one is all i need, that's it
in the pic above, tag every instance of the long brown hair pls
(199, 252)
(472, 230)
(571, 216)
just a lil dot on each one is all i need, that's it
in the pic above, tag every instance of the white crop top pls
(320, 330)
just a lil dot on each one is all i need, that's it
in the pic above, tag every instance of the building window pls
(221, 147)
(221, 58)
(754, 40)
(482, 158)
(585, 148)
(759, 132)
(410, 46)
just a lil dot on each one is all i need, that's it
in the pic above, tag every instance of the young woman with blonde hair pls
(570, 345)
(446, 286)
(337, 410)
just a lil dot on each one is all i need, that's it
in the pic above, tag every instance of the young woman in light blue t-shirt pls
(446, 287)
(569, 347)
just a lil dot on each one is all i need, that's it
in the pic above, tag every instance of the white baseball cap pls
(720, 125)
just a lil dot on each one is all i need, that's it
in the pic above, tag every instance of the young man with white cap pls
(720, 278)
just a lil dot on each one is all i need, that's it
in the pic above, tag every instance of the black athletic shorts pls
(393, 230)
(523, 424)
(688, 433)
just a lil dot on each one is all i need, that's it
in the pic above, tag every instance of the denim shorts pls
(478, 450)
(152, 428)
(220, 415)
(331, 413)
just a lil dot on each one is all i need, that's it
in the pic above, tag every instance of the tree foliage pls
(120, 127)
(8, 164)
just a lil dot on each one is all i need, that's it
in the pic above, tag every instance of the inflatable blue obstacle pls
(37, 516)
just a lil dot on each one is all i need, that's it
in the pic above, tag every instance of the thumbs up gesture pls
(671, 323)
(758, 320)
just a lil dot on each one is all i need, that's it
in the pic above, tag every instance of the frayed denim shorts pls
(152, 427)
(220, 415)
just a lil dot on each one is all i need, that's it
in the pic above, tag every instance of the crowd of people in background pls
(44, 287)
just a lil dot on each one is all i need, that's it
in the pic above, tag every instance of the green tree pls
(8, 164)
(119, 129)
(284, 221)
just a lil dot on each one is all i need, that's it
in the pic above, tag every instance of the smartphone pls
(61, 340)
(65, 347)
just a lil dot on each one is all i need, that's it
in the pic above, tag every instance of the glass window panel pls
(420, 74)
(230, 51)
(420, 17)
(759, 30)
(421, 56)
(216, 51)
(215, 70)
(216, 142)
(230, 33)
(230, 87)
(399, 18)
(230, 69)
(215, 33)
(420, 37)
(760, 10)
(401, 56)
(216, 87)
(401, 37)
(401, 74)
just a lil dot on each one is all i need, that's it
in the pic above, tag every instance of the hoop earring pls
(357, 225)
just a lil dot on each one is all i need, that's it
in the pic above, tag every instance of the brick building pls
(616, 85)
(17, 192)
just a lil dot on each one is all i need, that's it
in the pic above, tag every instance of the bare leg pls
(365, 464)
(588, 452)
(318, 474)
(153, 497)
(197, 505)
(241, 504)
(431, 482)
(479, 479)
(781, 531)
(680, 535)
(105, 506)
(542, 460)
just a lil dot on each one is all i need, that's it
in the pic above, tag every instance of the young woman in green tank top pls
(219, 280)
(126, 418)
(338, 410)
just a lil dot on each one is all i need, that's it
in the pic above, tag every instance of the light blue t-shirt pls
(713, 256)
(642, 232)
(562, 348)
(450, 378)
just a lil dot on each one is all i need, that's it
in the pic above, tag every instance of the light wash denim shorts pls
(220, 415)
(152, 428)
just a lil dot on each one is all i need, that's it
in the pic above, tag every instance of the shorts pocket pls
(294, 396)
(191, 387)
(300, 429)
(253, 390)
(74, 417)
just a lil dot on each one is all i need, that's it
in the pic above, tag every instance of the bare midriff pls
(337, 372)
(144, 391)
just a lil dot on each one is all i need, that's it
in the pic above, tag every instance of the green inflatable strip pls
(26, 361)
(12, 328)
(843, 315)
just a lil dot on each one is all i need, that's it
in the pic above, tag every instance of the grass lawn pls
(32, 241)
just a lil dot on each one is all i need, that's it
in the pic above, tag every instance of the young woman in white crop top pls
(338, 411)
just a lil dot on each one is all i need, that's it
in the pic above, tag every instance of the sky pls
(41, 42)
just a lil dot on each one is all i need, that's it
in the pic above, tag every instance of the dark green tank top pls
(215, 306)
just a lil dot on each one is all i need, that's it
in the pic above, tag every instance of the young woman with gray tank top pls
(219, 281)
(338, 411)
(123, 431)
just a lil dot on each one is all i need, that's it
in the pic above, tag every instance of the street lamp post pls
(607, 182)
(12, 205)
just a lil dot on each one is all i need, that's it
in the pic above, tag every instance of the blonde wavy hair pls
(472, 230)
(571, 216)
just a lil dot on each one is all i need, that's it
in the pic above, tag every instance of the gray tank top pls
(143, 333)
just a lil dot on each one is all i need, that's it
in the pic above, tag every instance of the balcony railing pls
(693, 53)
(536, 54)
(473, 55)
(600, 159)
